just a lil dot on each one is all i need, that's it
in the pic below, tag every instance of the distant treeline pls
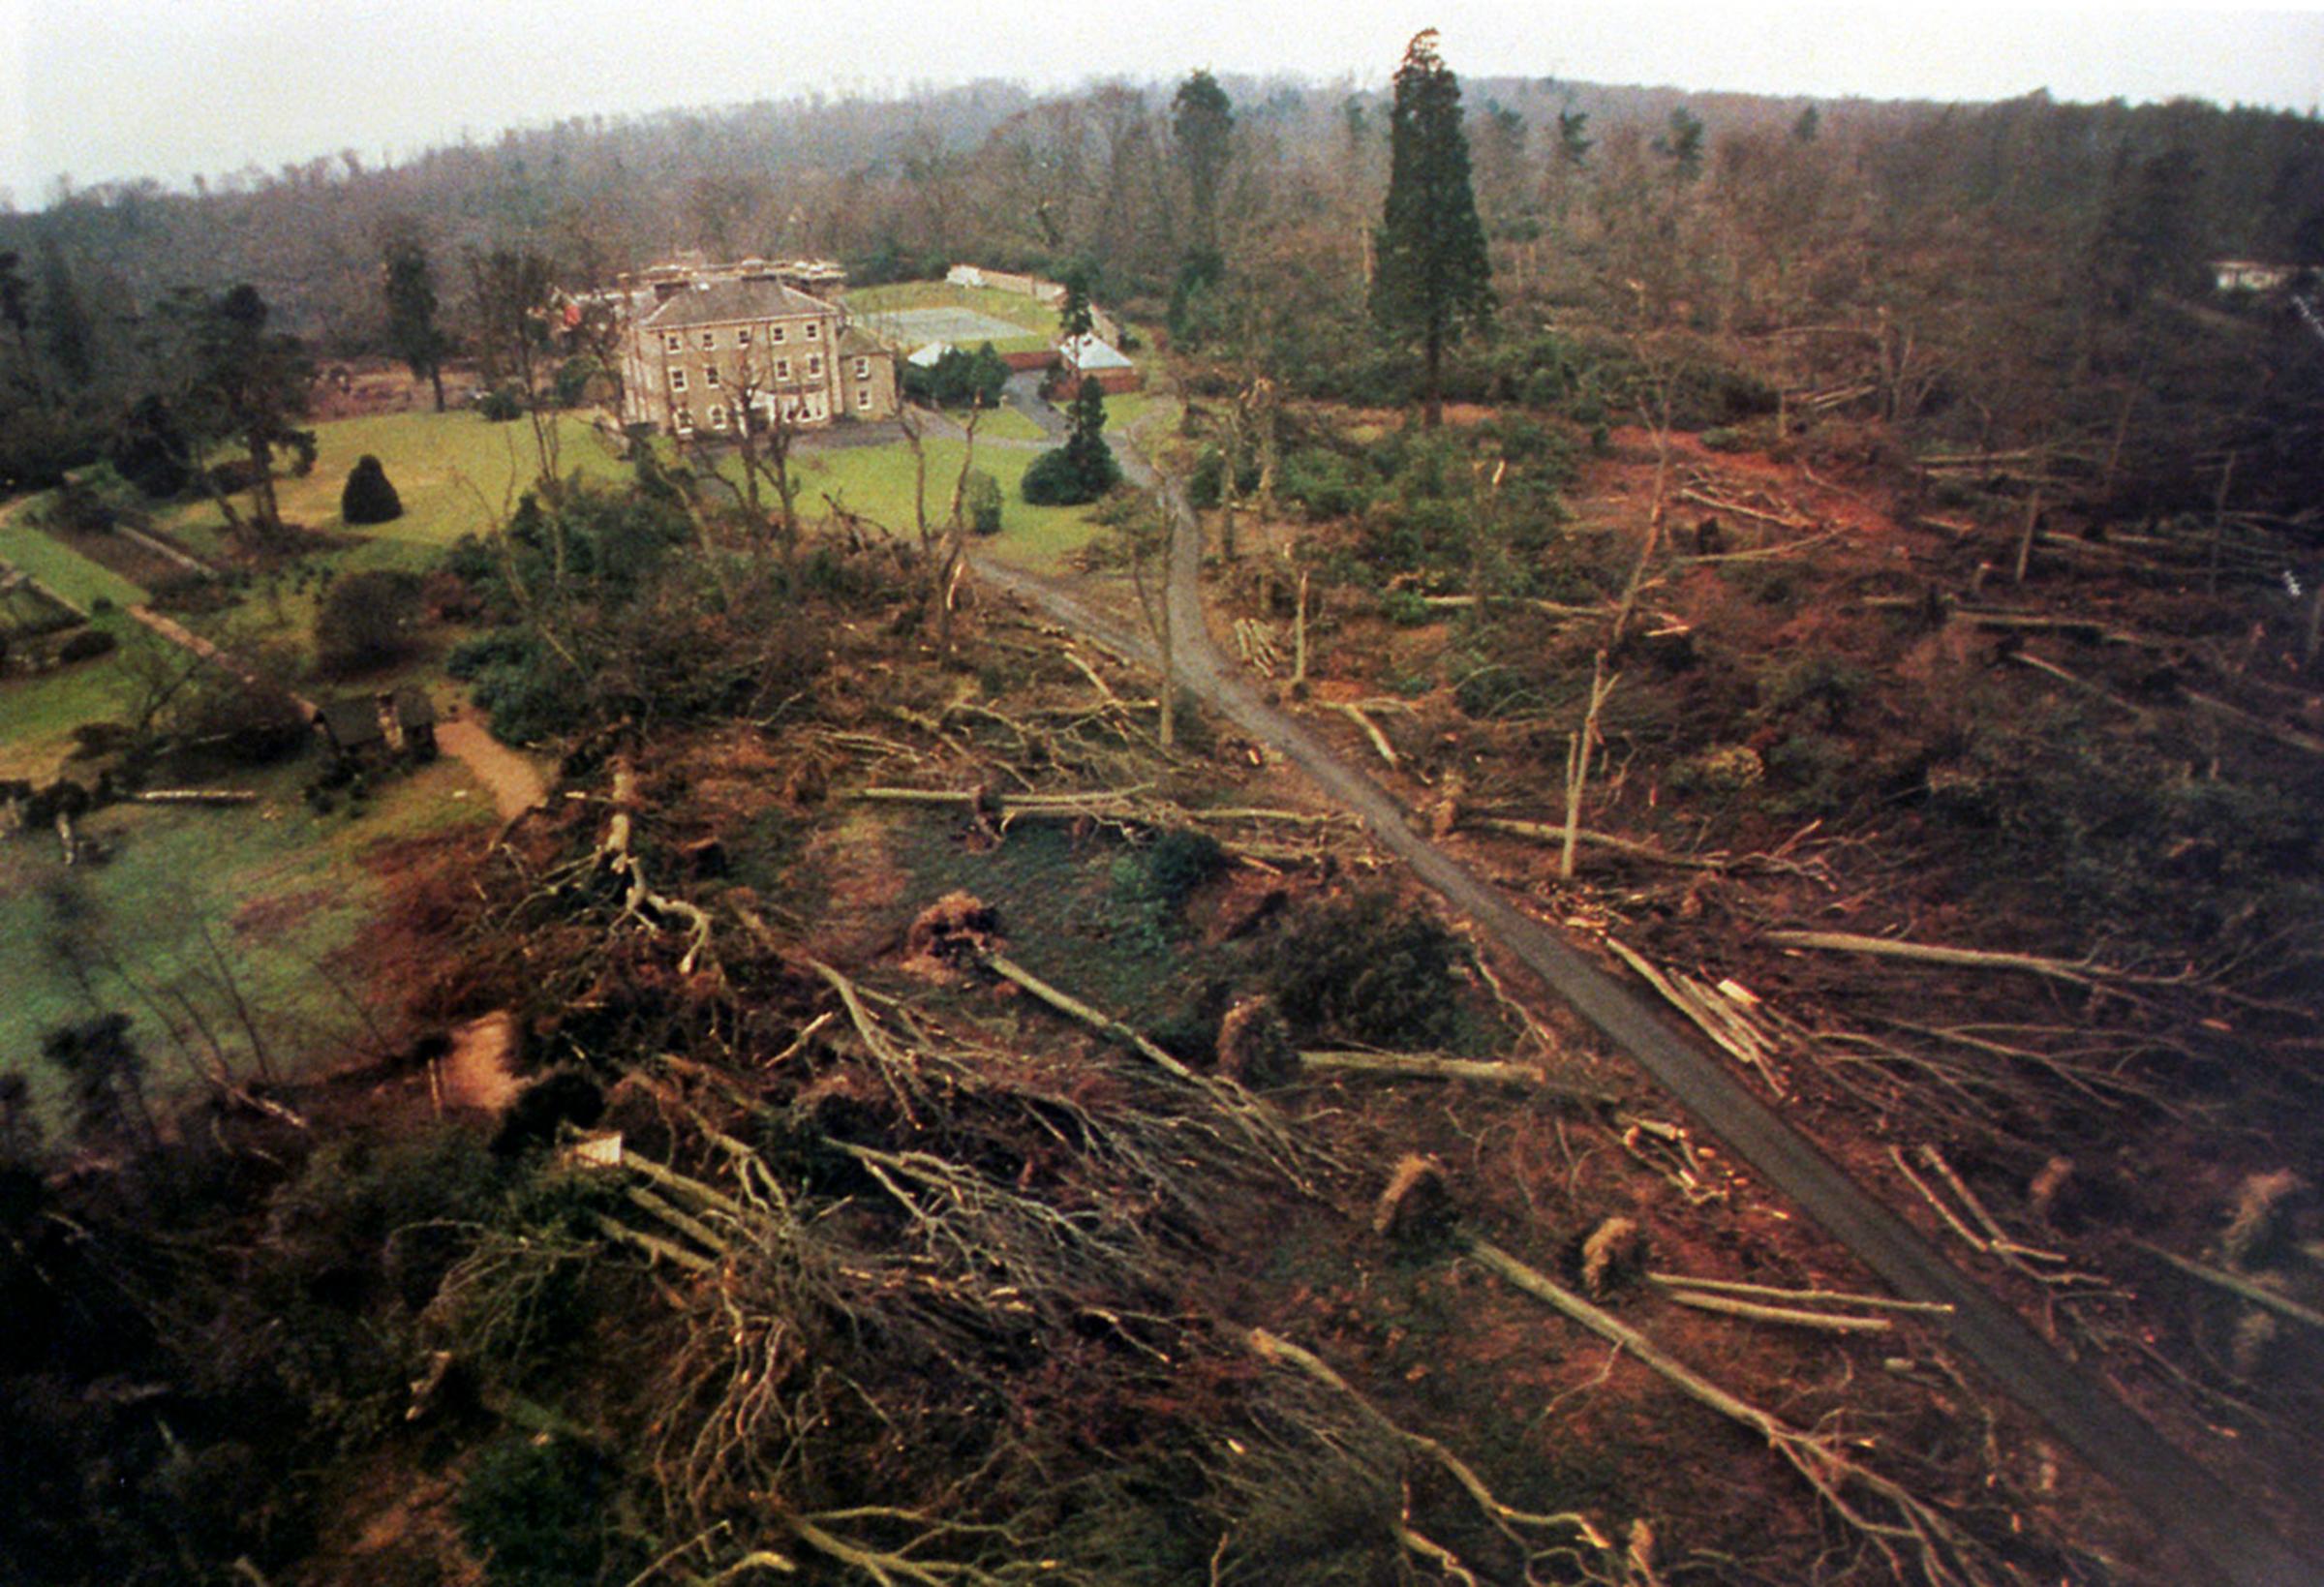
(1996, 270)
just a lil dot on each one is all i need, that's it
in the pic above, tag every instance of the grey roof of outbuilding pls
(352, 722)
(733, 303)
(413, 708)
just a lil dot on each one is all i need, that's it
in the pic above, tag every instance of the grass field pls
(274, 888)
(876, 481)
(1005, 424)
(57, 566)
(25, 612)
(454, 472)
(38, 714)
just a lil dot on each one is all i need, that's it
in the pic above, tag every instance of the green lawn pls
(876, 481)
(275, 888)
(1127, 409)
(1005, 424)
(37, 713)
(454, 472)
(58, 566)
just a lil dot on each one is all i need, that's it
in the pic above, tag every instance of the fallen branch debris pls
(1886, 1515)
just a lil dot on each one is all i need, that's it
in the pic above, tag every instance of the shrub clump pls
(982, 498)
(87, 645)
(537, 1513)
(1180, 862)
(502, 405)
(367, 619)
(370, 496)
(1368, 968)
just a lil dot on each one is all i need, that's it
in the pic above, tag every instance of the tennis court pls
(961, 327)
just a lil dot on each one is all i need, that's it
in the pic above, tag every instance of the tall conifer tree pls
(1432, 281)
(1203, 126)
(409, 283)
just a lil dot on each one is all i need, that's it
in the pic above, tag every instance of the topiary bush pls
(369, 497)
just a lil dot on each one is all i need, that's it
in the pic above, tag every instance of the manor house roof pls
(729, 302)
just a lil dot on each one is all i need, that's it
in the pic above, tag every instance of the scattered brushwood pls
(1915, 1539)
(1792, 1308)
(1256, 1125)
(1729, 1014)
(1964, 1215)
(880, 1241)
(1565, 1540)
(1668, 1150)
(1255, 641)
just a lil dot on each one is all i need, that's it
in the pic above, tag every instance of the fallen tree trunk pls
(2289, 738)
(1968, 959)
(1782, 520)
(1789, 1316)
(1544, 832)
(2084, 685)
(1942, 1552)
(196, 796)
(1104, 1025)
(1769, 1291)
(1710, 1010)
(1434, 1066)
(1555, 608)
(1278, 1351)
(615, 854)
(1371, 730)
(2236, 1285)
(1259, 1122)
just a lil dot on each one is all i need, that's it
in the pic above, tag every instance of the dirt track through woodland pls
(2175, 1494)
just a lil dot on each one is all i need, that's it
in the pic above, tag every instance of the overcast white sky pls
(104, 89)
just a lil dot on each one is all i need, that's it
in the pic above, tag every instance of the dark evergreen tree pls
(152, 451)
(245, 387)
(15, 302)
(2147, 241)
(1573, 140)
(1203, 125)
(1434, 282)
(1085, 442)
(1682, 144)
(1083, 469)
(71, 338)
(410, 281)
(369, 497)
(1073, 316)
